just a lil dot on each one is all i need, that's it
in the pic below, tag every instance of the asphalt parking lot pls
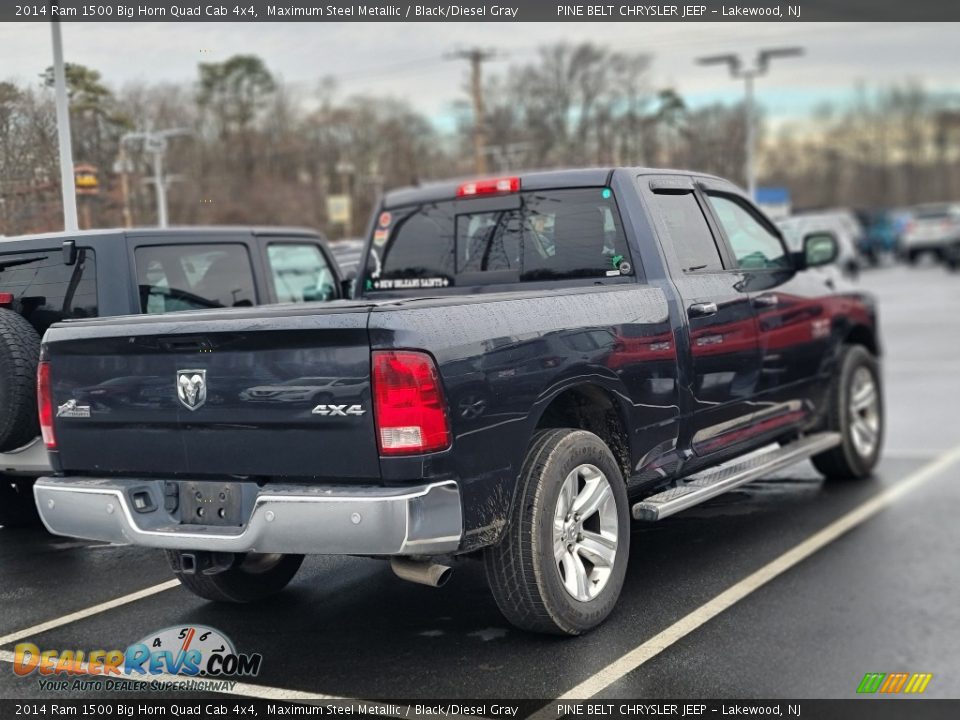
(785, 588)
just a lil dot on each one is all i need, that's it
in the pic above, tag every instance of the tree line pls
(259, 151)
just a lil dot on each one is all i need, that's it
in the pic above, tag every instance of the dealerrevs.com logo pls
(203, 655)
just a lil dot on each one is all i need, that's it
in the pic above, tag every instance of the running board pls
(716, 481)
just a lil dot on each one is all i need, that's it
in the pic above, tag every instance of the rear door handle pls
(766, 301)
(702, 309)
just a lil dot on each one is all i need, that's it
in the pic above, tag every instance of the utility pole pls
(68, 188)
(748, 74)
(155, 143)
(476, 57)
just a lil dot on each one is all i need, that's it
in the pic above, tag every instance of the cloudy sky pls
(406, 60)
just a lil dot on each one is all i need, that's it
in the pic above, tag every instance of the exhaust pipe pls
(425, 573)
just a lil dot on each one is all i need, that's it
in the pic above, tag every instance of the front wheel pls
(251, 577)
(560, 564)
(856, 412)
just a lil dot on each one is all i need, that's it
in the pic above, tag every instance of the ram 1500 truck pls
(528, 362)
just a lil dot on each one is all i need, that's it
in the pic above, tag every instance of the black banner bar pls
(239, 708)
(644, 11)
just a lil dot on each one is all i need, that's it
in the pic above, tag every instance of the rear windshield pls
(528, 236)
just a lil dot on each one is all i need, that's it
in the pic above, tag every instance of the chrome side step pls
(716, 481)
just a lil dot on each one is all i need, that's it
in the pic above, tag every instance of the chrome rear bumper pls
(307, 519)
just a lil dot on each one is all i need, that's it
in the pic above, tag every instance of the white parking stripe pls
(85, 613)
(686, 625)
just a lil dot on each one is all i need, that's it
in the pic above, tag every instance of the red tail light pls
(6, 299)
(409, 409)
(490, 186)
(45, 405)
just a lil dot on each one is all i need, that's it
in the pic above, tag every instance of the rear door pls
(722, 360)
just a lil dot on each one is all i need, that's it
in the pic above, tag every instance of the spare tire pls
(19, 355)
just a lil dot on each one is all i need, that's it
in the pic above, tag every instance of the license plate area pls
(211, 503)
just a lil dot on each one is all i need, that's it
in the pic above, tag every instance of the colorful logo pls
(195, 650)
(892, 683)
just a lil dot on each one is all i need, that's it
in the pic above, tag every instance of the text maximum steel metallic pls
(527, 362)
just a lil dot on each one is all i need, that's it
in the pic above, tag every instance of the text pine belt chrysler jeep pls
(528, 362)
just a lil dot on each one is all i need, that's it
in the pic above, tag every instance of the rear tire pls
(561, 562)
(252, 577)
(17, 506)
(19, 355)
(856, 412)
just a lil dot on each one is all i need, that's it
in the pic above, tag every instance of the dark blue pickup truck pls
(528, 362)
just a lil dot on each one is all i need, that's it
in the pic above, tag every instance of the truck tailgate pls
(261, 392)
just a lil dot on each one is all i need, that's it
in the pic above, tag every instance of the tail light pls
(6, 299)
(45, 405)
(489, 186)
(409, 408)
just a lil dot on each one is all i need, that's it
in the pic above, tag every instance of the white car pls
(933, 228)
(795, 227)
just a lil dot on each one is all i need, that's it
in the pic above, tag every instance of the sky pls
(406, 60)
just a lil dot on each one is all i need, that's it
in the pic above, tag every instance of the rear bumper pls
(307, 519)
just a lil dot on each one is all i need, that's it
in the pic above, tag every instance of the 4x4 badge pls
(192, 388)
(338, 410)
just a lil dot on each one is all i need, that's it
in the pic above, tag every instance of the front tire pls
(561, 562)
(252, 577)
(856, 412)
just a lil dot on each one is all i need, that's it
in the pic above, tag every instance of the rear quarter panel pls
(504, 357)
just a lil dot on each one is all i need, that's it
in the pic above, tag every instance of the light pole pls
(68, 189)
(155, 143)
(738, 71)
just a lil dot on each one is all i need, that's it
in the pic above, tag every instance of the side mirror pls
(819, 249)
(69, 252)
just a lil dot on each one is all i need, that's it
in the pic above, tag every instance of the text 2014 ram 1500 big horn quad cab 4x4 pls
(528, 360)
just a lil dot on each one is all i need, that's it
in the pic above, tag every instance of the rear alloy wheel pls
(251, 577)
(560, 564)
(856, 412)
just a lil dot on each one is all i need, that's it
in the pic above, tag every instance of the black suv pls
(99, 273)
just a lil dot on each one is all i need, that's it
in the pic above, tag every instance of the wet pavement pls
(883, 597)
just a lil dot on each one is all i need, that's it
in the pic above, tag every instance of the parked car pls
(348, 254)
(934, 229)
(532, 360)
(796, 227)
(881, 234)
(60, 276)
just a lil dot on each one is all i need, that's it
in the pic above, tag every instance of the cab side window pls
(192, 277)
(755, 246)
(300, 273)
(688, 232)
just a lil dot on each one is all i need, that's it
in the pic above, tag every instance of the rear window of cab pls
(518, 237)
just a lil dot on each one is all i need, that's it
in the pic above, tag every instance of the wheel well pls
(862, 335)
(591, 408)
